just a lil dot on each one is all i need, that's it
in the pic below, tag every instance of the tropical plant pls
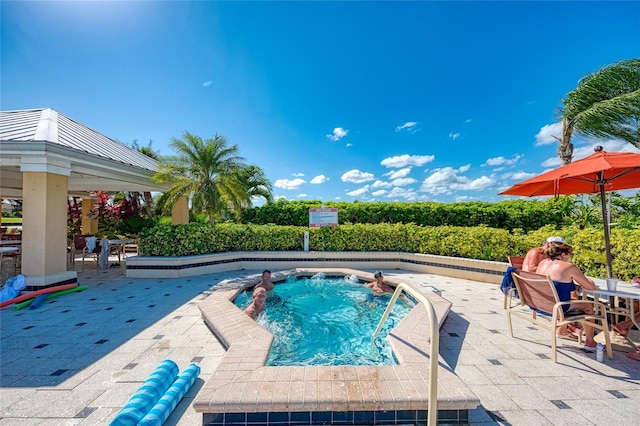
(149, 152)
(605, 104)
(210, 173)
(258, 186)
(74, 215)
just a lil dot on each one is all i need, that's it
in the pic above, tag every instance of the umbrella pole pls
(605, 221)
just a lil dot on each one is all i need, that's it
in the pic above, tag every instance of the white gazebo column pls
(89, 223)
(180, 212)
(44, 225)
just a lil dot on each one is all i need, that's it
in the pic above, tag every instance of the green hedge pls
(480, 242)
(508, 214)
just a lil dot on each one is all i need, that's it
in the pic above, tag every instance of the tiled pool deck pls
(77, 359)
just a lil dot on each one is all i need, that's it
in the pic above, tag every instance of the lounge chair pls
(539, 304)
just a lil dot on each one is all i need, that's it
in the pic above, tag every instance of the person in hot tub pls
(257, 306)
(378, 286)
(266, 281)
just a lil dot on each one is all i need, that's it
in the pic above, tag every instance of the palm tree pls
(208, 172)
(257, 184)
(605, 104)
(149, 152)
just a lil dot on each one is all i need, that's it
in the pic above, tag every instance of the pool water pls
(326, 321)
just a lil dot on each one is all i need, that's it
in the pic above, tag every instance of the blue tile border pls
(317, 259)
(391, 417)
(40, 287)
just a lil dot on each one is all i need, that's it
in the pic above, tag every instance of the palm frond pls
(605, 104)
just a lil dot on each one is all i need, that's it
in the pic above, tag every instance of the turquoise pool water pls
(326, 321)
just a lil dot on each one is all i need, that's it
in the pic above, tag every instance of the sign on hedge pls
(323, 217)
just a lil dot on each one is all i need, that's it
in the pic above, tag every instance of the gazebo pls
(45, 157)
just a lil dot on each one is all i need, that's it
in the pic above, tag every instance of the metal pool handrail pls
(432, 413)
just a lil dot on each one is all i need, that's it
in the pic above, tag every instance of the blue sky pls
(402, 101)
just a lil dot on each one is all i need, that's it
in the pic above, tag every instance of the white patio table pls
(627, 291)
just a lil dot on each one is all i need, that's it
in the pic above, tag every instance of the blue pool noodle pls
(171, 398)
(147, 395)
(38, 301)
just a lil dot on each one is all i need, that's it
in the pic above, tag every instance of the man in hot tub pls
(265, 282)
(378, 286)
(257, 306)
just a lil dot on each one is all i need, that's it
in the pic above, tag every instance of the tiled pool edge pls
(185, 266)
(242, 384)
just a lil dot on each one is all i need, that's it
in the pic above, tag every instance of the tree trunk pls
(147, 204)
(565, 148)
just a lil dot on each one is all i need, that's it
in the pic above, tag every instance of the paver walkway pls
(78, 358)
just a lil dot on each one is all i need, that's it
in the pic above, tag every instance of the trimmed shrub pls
(479, 242)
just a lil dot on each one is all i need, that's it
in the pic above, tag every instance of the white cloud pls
(403, 181)
(379, 193)
(319, 179)
(407, 194)
(609, 145)
(518, 175)
(381, 184)
(454, 136)
(551, 163)
(410, 126)
(302, 195)
(501, 161)
(479, 184)
(395, 174)
(337, 134)
(297, 174)
(207, 83)
(359, 192)
(407, 160)
(464, 168)
(546, 134)
(356, 176)
(468, 120)
(289, 183)
(348, 145)
(446, 180)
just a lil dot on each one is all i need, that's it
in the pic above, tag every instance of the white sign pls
(323, 217)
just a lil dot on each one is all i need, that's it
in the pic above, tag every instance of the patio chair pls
(516, 262)
(539, 304)
(79, 246)
(130, 248)
(15, 257)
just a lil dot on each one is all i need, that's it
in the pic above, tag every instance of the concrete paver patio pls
(78, 358)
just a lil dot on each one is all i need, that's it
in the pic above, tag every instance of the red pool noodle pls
(36, 293)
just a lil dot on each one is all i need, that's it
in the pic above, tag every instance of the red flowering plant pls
(114, 214)
(74, 215)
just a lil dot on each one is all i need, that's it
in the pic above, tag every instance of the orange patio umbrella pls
(598, 173)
